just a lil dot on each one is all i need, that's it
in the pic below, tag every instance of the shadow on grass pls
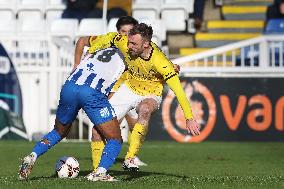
(43, 177)
(134, 175)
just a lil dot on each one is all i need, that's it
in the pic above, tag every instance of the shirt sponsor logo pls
(104, 112)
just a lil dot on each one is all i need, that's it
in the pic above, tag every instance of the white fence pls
(261, 55)
(43, 64)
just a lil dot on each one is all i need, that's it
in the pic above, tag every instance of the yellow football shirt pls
(146, 76)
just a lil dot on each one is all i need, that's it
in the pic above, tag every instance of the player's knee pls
(96, 136)
(115, 136)
(145, 112)
(62, 130)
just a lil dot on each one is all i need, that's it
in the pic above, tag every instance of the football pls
(67, 167)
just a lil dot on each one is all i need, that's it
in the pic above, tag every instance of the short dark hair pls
(125, 20)
(143, 29)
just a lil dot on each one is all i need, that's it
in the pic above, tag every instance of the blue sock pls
(53, 138)
(110, 153)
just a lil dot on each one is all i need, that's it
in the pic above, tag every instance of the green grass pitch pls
(171, 165)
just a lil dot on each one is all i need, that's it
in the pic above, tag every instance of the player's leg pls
(102, 115)
(111, 132)
(132, 118)
(122, 108)
(66, 113)
(145, 109)
(97, 146)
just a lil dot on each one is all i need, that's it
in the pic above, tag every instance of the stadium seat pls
(175, 20)
(32, 5)
(186, 5)
(53, 14)
(55, 5)
(274, 26)
(146, 8)
(111, 27)
(9, 4)
(145, 14)
(32, 27)
(30, 15)
(65, 28)
(6, 14)
(176, 13)
(91, 26)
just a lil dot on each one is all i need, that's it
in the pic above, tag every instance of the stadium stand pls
(242, 20)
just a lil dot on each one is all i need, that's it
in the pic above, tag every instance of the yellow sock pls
(136, 139)
(129, 137)
(97, 150)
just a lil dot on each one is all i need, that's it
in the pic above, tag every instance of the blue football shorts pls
(74, 97)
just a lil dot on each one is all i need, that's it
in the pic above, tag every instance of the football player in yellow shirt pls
(123, 25)
(148, 69)
(144, 86)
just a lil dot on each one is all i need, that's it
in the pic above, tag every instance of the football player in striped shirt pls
(88, 88)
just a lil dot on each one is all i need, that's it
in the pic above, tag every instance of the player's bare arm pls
(81, 43)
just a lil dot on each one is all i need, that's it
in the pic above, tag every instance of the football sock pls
(129, 137)
(52, 138)
(110, 153)
(97, 149)
(136, 139)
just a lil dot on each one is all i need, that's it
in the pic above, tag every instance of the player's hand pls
(176, 68)
(192, 127)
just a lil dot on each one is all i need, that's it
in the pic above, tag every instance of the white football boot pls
(26, 167)
(138, 162)
(129, 165)
(100, 177)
